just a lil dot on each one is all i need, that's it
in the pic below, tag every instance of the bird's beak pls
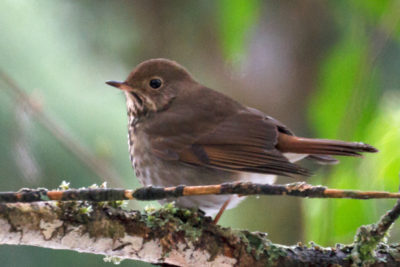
(119, 85)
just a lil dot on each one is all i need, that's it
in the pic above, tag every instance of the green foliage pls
(348, 105)
(236, 18)
(373, 10)
(338, 75)
(382, 12)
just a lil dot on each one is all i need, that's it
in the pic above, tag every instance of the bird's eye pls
(155, 83)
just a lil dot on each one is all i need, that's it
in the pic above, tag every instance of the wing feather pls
(244, 142)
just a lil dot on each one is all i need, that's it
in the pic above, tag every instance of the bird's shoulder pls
(194, 111)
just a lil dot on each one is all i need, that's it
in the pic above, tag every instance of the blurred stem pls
(100, 167)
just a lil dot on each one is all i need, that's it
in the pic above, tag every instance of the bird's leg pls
(221, 210)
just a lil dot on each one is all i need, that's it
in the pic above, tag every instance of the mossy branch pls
(173, 236)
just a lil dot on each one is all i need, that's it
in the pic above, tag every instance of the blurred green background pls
(328, 69)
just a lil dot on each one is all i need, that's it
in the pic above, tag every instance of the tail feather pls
(293, 144)
(323, 159)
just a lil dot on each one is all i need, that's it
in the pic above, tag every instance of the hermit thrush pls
(181, 132)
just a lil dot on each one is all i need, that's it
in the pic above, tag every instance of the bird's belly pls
(151, 170)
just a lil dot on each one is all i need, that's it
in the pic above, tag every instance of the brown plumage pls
(294, 144)
(181, 132)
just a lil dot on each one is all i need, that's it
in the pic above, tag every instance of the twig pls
(369, 236)
(156, 193)
(79, 150)
(387, 221)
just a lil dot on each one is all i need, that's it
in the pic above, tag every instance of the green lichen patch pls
(92, 215)
(258, 244)
(86, 210)
(75, 211)
(365, 243)
(64, 185)
(172, 224)
(113, 259)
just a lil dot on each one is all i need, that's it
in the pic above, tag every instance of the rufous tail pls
(294, 144)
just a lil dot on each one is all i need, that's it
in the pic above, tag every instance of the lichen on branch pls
(169, 235)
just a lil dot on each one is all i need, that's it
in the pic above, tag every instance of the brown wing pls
(320, 159)
(243, 142)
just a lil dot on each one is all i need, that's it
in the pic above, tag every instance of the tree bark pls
(169, 235)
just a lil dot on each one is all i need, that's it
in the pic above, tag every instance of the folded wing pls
(243, 142)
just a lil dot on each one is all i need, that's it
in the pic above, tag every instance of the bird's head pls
(153, 85)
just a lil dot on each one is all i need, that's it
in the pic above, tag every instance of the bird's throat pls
(135, 106)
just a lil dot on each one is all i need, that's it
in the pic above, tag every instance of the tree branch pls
(169, 235)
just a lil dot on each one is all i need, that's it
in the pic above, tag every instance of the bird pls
(181, 132)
